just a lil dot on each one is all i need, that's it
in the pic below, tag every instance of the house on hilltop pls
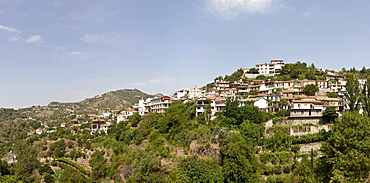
(270, 69)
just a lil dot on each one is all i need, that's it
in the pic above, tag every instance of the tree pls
(353, 94)
(98, 165)
(261, 77)
(330, 114)
(207, 113)
(332, 94)
(48, 178)
(146, 168)
(346, 150)
(4, 170)
(283, 103)
(251, 131)
(304, 170)
(253, 71)
(72, 176)
(366, 97)
(27, 162)
(310, 89)
(10, 179)
(231, 107)
(236, 115)
(58, 148)
(174, 120)
(252, 114)
(363, 70)
(219, 78)
(269, 104)
(238, 161)
(200, 170)
(234, 76)
(134, 119)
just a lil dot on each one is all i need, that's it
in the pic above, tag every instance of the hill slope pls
(113, 100)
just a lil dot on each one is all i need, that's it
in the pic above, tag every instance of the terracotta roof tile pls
(307, 101)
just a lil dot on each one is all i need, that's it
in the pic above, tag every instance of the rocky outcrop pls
(204, 150)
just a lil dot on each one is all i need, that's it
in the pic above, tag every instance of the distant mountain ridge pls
(113, 100)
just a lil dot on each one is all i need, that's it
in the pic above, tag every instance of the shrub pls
(295, 148)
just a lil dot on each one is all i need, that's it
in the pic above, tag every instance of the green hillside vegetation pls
(179, 146)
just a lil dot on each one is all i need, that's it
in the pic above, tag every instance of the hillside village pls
(270, 123)
(266, 95)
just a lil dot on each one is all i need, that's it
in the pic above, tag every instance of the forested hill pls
(113, 100)
(63, 112)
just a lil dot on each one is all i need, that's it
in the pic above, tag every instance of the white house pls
(271, 68)
(181, 94)
(39, 131)
(306, 108)
(120, 117)
(261, 103)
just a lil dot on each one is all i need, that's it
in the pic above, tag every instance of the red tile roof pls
(288, 98)
(307, 101)
(251, 99)
(254, 86)
(308, 97)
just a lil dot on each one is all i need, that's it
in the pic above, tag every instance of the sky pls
(67, 50)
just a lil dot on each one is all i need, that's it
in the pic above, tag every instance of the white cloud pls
(157, 78)
(57, 49)
(307, 13)
(9, 29)
(90, 37)
(229, 9)
(80, 55)
(14, 39)
(34, 39)
(112, 38)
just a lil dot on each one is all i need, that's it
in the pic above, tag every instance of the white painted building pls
(271, 68)
(158, 105)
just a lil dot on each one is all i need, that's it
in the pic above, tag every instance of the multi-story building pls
(159, 104)
(194, 92)
(271, 68)
(306, 108)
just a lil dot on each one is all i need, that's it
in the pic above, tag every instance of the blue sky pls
(64, 50)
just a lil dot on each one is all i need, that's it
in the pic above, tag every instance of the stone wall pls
(300, 121)
(307, 147)
(304, 130)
